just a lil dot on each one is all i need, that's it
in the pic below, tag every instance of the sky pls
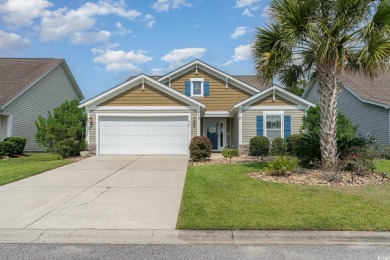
(104, 42)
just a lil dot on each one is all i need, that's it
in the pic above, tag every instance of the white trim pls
(213, 71)
(216, 114)
(274, 107)
(272, 113)
(140, 108)
(98, 115)
(239, 127)
(9, 126)
(265, 92)
(389, 128)
(87, 129)
(198, 122)
(134, 82)
(201, 80)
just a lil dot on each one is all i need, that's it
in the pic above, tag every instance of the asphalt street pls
(107, 251)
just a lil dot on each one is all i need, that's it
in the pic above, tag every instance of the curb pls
(234, 237)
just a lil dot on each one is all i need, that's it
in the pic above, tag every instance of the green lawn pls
(223, 197)
(14, 169)
(382, 166)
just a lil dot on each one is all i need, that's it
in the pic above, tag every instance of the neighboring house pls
(366, 102)
(29, 88)
(160, 115)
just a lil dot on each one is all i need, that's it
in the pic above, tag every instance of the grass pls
(224, 197)
(14, 169)
(382, 166)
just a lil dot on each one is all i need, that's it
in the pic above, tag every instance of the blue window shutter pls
(259, 126)
(206, 88)
(187, 88)
(287, 126)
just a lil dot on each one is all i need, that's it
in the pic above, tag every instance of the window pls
(197, 87)
(273, 126)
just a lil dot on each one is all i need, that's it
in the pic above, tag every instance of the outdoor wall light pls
(90, 120)
(194, 121)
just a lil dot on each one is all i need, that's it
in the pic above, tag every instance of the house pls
(365, 102)
(160, 115)
(29, 88)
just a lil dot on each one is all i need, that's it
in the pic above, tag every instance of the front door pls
(215, 131)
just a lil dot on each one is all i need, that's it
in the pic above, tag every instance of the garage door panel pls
(143, 135)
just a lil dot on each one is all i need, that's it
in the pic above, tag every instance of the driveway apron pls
(102, 192)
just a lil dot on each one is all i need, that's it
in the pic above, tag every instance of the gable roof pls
(17, 75)
(135, 81)
(280, 91)
(218, 73)
(374, 91)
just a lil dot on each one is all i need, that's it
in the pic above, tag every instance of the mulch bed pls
(235, 160)
(321, 178)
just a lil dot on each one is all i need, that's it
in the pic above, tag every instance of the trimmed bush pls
(259, 146)
(8, 148)
(278, 147)
(200, 148)
(19, 142)
(292, 143)
(230, 153)
(282, 165)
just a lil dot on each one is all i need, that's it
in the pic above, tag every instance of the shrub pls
(278, 147)
(229, 153)
(200, 148)
(63, 131)
(19, 142)
(8, 149)
(282, 165)
(308, 149)
(259, 146)
(359, 161)
(292, 144)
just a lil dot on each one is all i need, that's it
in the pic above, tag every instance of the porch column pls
(198, 121)
(239, 127)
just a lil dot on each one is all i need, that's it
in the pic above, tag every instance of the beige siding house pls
(29, 88)
(160, 115)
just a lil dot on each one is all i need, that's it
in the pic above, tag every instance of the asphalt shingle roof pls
(376, 90)
(17, 74)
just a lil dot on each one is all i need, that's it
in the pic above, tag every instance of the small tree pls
(63, 130)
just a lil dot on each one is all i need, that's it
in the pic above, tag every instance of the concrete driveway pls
(104, 192)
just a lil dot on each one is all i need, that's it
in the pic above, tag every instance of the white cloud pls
(240, 31)
(157, 71)
(150, 21)
(249, 6)
(118, 60)
(241, 53)
(19, 13)
(11, 42)
(121, 29)
(246, 3)
(166, 5)
(89, 37)
(63, 23)
(266, 12)
(178, 57)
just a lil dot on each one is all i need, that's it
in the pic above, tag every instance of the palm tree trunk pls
(328, 91)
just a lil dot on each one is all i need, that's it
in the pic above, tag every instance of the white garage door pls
(143, 135)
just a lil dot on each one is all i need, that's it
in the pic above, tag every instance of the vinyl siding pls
(249, 121)
(235, 126)
(47, 94)
(369, 118)
(220, 98)
(3, 127)
(92, 129)
(148, 96)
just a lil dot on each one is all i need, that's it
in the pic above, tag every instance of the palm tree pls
(324, 38)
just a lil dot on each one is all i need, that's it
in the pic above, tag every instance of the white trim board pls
(141, 108)
(133, 83)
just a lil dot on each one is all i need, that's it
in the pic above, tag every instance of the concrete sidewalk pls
(237, 237)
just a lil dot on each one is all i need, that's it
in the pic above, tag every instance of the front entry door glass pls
(212, 133)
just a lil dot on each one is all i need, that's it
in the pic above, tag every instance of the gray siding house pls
(366, 102)
(29, 88)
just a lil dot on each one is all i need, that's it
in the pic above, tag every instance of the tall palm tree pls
(325, 38)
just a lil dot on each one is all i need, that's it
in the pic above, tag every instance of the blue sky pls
(106, 41)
